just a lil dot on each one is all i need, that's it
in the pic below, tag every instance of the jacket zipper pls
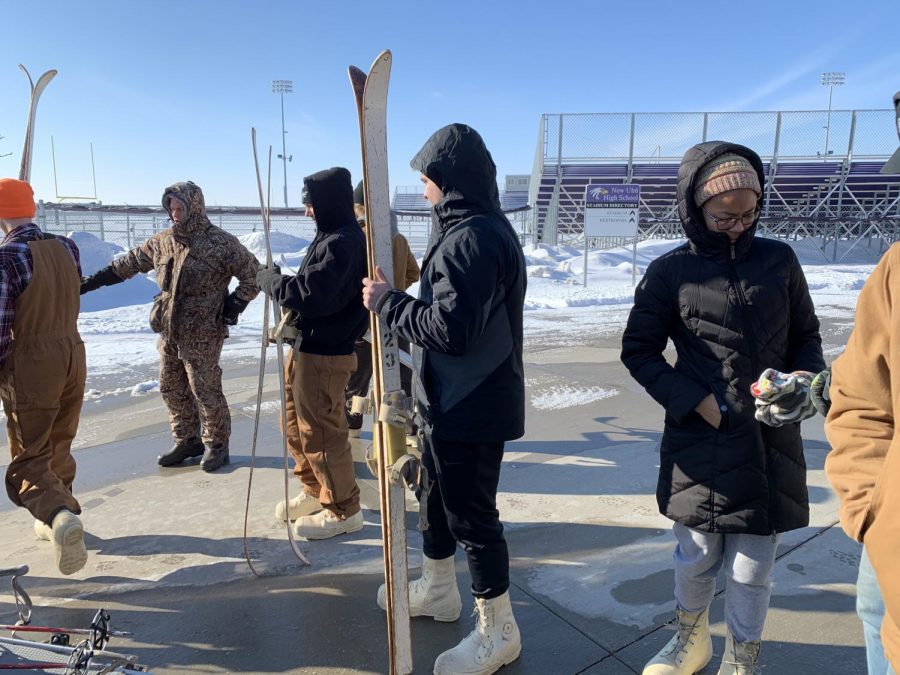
(754, 363)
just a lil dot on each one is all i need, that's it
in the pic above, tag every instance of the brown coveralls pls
(314, 390)
(42, 385)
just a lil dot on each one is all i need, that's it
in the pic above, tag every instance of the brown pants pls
(190, 381)
(42, 388)
(317, 432)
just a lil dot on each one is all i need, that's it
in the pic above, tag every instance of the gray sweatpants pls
(749, 560)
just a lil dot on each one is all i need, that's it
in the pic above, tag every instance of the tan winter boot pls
(68, 542)
(739, 658)
(326, 524)
(494, 643)
(435, 593)
(297, 507)
(689, 650)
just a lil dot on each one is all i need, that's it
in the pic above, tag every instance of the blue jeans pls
(870, 609)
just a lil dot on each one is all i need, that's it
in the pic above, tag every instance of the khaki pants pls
(42, 388)
(317, 432)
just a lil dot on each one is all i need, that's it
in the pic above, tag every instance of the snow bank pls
(288, 246)
(96, 254)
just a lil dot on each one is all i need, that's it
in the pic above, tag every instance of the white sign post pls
(612, 210)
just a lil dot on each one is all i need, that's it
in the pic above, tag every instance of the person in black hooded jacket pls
(325, 295)
(733, 305)
(466, 335)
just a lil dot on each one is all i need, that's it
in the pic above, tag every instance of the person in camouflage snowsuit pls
(194, 263)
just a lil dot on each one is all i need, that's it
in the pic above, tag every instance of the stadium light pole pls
(831, 80)
(283, 87)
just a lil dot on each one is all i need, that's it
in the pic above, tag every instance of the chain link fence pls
(129, 226)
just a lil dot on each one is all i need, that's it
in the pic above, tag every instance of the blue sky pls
(168, 90)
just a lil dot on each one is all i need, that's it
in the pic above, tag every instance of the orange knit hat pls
(16, 199)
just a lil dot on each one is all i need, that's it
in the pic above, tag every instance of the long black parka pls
(731, 310)
(466, 326)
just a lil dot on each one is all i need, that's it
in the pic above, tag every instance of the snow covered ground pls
(122, 353)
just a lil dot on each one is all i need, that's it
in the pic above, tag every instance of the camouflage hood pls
(192, 198)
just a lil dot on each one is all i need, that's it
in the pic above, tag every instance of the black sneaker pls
(181, 451)
(215, 457)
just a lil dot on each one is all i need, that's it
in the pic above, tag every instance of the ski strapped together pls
(279, 345)
(389, 430)
(36, 90)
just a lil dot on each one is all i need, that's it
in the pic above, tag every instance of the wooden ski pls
(36, 91)
(389, 430)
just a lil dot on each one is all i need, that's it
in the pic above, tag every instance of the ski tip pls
(383, 57)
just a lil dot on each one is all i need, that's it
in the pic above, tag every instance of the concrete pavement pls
(591, 556)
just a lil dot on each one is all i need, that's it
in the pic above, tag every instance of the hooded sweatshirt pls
(326, 292)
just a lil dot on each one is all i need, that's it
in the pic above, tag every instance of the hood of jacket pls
(702, 240)
(331, 196)
(195, 220)
(456, 159)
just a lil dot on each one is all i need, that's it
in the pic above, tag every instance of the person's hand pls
(783, 398)
(373, 289)
(708, 409)
(232, 309)
(104, 277)
(267, 276)
(819, 391)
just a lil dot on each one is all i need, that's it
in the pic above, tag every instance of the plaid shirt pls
(16, 265)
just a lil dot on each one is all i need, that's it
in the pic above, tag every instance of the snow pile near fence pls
(96, 254)
(286, 248)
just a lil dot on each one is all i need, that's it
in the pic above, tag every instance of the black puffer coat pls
(731, 310)
(466, 326)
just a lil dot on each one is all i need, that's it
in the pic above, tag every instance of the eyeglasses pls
(727, 223)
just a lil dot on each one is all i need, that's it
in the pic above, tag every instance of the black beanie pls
(359, 194)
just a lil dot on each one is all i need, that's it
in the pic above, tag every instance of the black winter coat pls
(326, 292)
(731, 310)
(466, 326)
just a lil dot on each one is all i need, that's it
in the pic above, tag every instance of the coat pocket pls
(164, 273)
(158, 311)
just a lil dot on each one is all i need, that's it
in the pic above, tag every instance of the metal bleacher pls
(810, 190)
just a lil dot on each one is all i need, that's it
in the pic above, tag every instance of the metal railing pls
(834, 201)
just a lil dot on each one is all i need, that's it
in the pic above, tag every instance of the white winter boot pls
(689, 650)
(739, 658)
(435, 593)
(68, 542)
(42, 530)
(297, 507)
(494, 643)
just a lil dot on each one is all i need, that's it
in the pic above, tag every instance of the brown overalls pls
(42, 385)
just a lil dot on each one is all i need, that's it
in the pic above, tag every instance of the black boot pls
(215, 457)
(181, 451)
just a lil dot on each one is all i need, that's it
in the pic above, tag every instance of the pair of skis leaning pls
(392, 410)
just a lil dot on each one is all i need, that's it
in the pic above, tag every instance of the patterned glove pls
(819, 391)
(783, 398)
